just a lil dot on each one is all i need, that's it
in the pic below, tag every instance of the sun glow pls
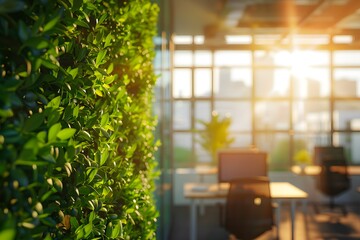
(303, 73)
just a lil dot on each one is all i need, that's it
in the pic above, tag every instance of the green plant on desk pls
(302, 158)
(216, 135)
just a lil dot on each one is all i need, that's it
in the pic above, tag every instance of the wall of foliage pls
(76, 130)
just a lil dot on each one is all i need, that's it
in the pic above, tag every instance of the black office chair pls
(249, 210)
(333, 179)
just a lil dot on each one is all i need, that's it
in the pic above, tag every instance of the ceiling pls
(216, 18)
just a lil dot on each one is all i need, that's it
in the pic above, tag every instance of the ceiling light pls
(238, 39)
(182, 39)
(342, 39)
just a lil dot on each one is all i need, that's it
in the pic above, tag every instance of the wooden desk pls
(313, 170)
(279, 191)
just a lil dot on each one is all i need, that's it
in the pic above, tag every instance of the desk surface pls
(279, 190)
(315, 170)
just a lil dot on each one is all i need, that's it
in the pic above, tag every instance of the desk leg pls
(193, 220)
(278, 218)
(293, 206)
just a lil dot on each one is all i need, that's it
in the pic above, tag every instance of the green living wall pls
(76, 130)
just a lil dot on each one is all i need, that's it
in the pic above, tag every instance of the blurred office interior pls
(287, 74)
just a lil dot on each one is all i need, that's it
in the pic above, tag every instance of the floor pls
(310, 226)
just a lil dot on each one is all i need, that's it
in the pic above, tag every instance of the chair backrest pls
(233, 164)
(249, 211)
(321, 152)
(333, 178)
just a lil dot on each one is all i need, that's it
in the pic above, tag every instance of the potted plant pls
(215, 135)
(302, 158)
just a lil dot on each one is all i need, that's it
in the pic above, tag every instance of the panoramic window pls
(280, 101)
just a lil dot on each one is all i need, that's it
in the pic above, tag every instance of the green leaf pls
(100, 57)
(102, 18)
(104, 119)
(88, 229)
(37, 43)
(85, 135)
(108, 39)
(55, 102)
(46, 63)
(66, 133)
(29, 150)
(23, 34)
(91, 174)
(82, 23)
(117, 230)
(48, 221)
(92, 216)
(48, 157)
(109, 79)
(34, 122)
(53, 118)
(74, 72)
(6, 113)
(104, 157)
(8, 233)
(99, 93)
(108, 231)
(76, 111)
(77, 4)
(51, 24)
(53, 131)
(130, 151)
(74, 222)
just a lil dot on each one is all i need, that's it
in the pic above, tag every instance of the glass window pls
(282, 58)
(232, 82)
(182, 115)
(240, 113)
(202, 112)
(182, 83)
(162, 84)
(272, 82)
(272, 115)
(183, 58)
(308, 141)
(182, 150)
(351, 143)
(271, 58)
(202, 82)
(162, 59)
(277, 146)
(292, 103)
(202, 155)
(311, 115)
(232, 58)
(241, 140)
(203, 58)
(347, 82)
(315, 82)
(347, 58)
(347, 115)
(310, 58)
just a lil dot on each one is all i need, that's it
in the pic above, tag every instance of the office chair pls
(249, 210)
(333, 179)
